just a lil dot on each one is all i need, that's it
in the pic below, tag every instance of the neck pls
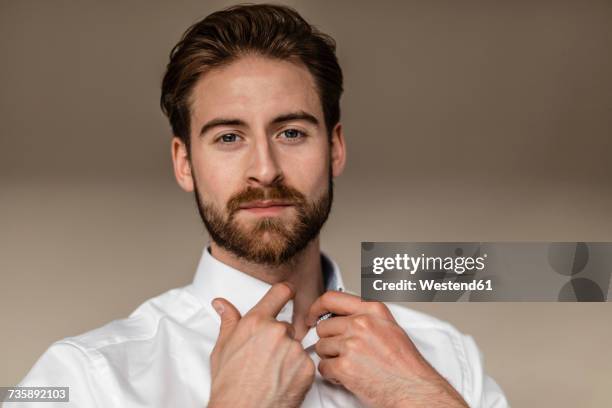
(304, 272)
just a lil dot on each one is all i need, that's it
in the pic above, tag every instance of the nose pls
(263, 170)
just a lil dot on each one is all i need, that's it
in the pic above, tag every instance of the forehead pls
(254, 88)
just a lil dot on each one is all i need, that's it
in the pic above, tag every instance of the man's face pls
(258, 138)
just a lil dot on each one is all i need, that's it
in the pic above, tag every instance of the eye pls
(227, 138)
(293, 134)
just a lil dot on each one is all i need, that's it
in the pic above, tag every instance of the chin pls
(268, 239)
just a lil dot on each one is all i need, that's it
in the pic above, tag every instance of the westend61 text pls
(430, 284)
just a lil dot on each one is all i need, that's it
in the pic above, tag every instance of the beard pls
(286, 239)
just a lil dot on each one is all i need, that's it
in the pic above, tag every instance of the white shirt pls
(159, 355)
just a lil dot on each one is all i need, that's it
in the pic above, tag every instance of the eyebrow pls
(299, 115)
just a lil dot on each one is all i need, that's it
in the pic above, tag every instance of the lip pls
(268, 208)
(265, 204)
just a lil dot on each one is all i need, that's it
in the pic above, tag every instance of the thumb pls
(230, 316)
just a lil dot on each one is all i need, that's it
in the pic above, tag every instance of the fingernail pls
(218, 306)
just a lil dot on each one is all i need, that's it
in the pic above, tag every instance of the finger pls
(339, 303)
(332, 326)
(274, 300)
(289, 329)
(328, 347)
(329, 369)
(230, 316)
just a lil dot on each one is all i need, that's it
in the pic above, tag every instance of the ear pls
(338, 151)
(181, 164)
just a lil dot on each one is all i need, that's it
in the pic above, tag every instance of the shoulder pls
(453, 354)
(176, 305)
(84, 355)
(96, 365)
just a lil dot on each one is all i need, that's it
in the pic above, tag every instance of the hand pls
(256, 361)
(367, 352)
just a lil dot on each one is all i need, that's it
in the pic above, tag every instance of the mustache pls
(275, 192)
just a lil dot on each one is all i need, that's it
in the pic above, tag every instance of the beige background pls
(464, 120)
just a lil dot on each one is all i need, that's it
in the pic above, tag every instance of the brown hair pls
(222, 37)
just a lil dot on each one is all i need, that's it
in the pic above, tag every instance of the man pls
(252, 95)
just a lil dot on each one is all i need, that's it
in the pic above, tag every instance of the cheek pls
(308, 173)
(215, 182)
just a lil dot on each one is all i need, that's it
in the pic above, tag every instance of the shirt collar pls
(214, 278)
